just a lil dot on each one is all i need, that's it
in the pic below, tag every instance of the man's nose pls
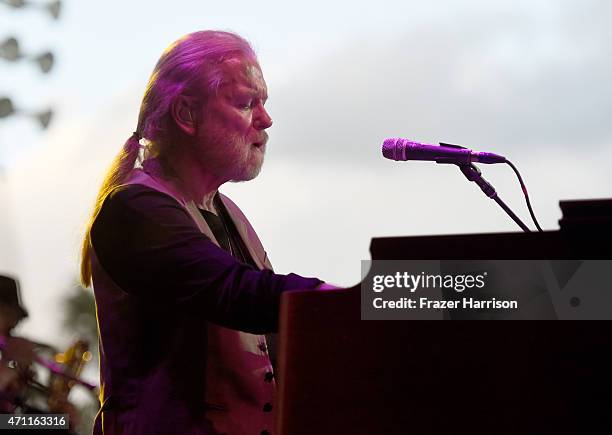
(262, 119)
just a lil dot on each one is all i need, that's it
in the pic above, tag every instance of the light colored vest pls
(239, 391)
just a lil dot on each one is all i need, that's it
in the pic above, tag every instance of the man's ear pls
(183, 114)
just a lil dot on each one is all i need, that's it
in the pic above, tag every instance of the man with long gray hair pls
(184, 289)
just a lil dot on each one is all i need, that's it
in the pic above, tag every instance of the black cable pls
(535, 221)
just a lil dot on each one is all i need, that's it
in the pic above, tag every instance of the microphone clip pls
(451, 160)
(472, 173)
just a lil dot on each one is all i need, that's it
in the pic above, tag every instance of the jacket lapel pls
(247, 233)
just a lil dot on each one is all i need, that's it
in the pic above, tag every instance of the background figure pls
(17, 354)
(20, 391)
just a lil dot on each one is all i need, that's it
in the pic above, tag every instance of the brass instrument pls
(72, 360)
(64, 369)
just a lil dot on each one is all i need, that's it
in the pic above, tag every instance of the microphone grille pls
(393, 148)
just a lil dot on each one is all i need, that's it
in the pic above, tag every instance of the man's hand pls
(10, 381)
(20, 350)
(326, 286)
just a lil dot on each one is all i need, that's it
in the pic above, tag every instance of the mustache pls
(263, 139)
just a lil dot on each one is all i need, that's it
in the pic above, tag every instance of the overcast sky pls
(526, 79)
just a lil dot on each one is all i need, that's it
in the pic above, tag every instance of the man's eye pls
(246, 104)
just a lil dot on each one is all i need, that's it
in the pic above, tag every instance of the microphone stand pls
(472, 173)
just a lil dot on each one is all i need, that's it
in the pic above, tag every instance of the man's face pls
(9, 318)
(231, 134)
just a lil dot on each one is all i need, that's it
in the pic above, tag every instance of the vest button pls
(267, 407)
(268, 377)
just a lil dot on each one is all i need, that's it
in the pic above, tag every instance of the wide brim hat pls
(10, 295)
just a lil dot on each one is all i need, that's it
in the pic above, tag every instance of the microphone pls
(404, 149)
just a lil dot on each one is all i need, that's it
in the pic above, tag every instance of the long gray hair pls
(184, 65)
